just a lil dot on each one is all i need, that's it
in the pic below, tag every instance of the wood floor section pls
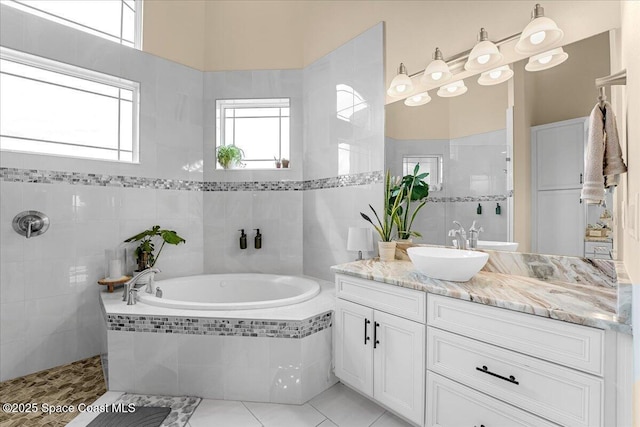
(78, 382)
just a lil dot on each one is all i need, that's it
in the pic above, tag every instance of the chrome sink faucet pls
(474, 232)
(130, 290)
(460, 236)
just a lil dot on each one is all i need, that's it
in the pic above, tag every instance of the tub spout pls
(129, 286)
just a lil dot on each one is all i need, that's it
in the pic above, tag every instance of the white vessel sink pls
(497, 246)
(447, 264)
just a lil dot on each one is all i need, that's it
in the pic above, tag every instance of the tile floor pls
(338, 406)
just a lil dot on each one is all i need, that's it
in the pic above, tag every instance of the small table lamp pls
(359, 239)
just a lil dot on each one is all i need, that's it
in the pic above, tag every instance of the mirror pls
(504, 157)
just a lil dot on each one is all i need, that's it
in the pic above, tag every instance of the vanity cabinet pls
(378, 351)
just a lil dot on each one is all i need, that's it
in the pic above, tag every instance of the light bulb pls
(495, 74)
(483, 59)
(545, 59)
(537, 38)
(416, 98)
(401, 88)
(437, 75)
(451, 89)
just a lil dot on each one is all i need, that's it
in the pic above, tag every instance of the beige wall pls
(175, 30)
(630, 188)
(238, 35)
(482, 109)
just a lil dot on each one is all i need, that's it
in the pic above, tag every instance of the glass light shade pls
(452, 89)
(484, 55)
(539, 34)
(546, 60)
(401, 84)
(359, 239)
(437, 72)
(417, 99)
(495, 76)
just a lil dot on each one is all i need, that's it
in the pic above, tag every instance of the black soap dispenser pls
(258, 239)
(498, 209)
(479, 209)
(243, 239)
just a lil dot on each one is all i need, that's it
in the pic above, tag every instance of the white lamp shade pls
(485, 55)
(401, 85)
(417, 99)
(546, 60)
(437, 72)
(540, 34)
(359, 239)
(495, 76)
(452, 89)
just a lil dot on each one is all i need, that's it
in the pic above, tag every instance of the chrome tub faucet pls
(129, 294)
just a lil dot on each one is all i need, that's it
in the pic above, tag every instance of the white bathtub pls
(231, 291)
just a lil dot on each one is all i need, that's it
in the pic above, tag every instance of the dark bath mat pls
(144, 416)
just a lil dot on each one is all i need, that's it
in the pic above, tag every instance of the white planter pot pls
(387, 251)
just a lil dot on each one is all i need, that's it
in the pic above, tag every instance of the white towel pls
(603, 156)
(613, 163)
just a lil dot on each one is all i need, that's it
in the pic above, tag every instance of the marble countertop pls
(576, 290)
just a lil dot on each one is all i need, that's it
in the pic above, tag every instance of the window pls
(260, 127)
(54, 108)
(116, 20)
(431, 164)
(350, 105)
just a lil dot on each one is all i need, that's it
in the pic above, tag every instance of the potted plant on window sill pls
(229, 156)
(145, 257)
(386, 246)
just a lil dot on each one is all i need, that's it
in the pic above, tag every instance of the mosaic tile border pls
(103, 180)
(36, 176)
(295, 329)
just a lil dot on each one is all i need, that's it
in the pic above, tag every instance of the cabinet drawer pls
(453, 405)
(598, 247)
(562, 395)
(407, 303)
(579, 347)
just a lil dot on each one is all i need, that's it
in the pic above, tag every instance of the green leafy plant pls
(144, 252)
(391, 206)
(229, 155)
(410, 188)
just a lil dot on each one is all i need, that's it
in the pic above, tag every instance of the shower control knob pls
(30, 223)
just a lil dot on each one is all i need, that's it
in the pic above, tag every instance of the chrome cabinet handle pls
(486, 370)
(366, 338)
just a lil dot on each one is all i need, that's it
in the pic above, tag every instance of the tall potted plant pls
(410, 188)
(384, 226)
(145, 256)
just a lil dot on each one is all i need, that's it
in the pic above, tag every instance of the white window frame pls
(137, 42)
(81, 73)
(223, 104)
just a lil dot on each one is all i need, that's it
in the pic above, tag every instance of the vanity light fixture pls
(540, 34)
(417, 99)
(452, 89)
(437, 72)
(546, 60)
(495, 76)
(484, 55)
(401, 84)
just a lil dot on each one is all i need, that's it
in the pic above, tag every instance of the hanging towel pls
(603, 156)
(613, 163)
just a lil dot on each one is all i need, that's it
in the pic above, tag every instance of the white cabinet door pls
(560, 223)
(559, 154)
(354, 345)
(399, 365)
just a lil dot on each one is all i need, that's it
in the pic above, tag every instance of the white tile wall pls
(333, 147)
(279, 370)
